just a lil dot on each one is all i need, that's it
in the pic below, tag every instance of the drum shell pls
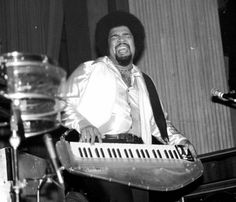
(37, 82)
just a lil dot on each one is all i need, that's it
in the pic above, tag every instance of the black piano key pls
(80, 152)
(109, 152)
(178, 148)
(137, 151)
(85, 152)
(97, 152)
(90, 153)
(159, 154)
(176, 155)
(114, 152)
(154, 153)
(126, 153)
(142, 153)
(170, 153)
(118, 152)
(102, 152)
(131, 154)
(147, 153)
(166, 153)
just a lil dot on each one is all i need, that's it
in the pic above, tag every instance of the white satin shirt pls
(97, 95)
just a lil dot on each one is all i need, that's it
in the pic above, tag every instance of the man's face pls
(121, 45)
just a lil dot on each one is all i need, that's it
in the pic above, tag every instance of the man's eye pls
(128, 36)
(114, 37)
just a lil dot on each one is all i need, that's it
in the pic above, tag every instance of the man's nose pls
(121, 38)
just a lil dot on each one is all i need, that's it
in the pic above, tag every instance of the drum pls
(36, 82)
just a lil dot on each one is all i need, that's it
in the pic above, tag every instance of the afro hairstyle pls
(115, 19)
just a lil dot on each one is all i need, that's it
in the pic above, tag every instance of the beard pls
(124, 60)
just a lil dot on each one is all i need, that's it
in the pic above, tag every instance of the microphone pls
(53, 157)
(224, 96)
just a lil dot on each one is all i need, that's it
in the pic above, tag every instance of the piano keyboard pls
(129, 151)
(151, 167)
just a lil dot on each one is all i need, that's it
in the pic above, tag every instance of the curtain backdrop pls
(184, 55)
(32, 26)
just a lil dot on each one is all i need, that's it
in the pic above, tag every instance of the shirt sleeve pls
(75, 86)
(91, 94)
(175, 136)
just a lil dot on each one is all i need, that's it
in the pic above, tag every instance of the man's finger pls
(98, 135)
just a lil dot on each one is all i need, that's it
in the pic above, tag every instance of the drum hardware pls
(15, 142)
(33, 85)
(54, 159)
(48, 178)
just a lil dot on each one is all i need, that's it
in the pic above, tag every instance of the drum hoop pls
(20, 96)
(31, 134)
(20, 56)
(27, 62)
(36, 116)
(27, 117)
(13, 59)
(30, 96)
(38, 65)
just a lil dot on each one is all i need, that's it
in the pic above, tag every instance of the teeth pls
(123, 45)
(122, 49)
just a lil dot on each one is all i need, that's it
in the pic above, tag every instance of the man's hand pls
(188, 145)
(89, 134)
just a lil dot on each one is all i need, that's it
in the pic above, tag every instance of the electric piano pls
(150, 167)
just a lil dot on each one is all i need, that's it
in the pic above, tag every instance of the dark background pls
(227, 13)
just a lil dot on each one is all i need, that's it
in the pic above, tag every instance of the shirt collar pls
(135, 71)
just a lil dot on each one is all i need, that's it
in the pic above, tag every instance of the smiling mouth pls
(122, 48)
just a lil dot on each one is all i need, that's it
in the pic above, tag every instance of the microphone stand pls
(15, 142)
(53, 157)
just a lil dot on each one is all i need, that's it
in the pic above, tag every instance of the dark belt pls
(123, 138)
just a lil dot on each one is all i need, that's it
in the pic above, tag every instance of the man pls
(111, 99)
